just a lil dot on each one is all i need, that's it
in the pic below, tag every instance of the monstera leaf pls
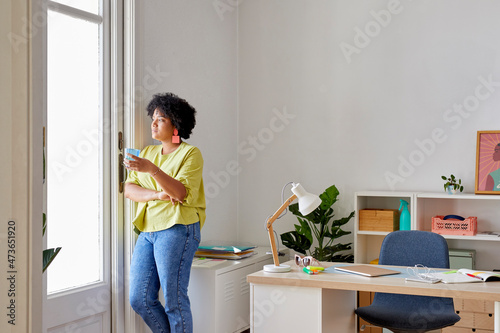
(48, 257)
(329, 197)
(295, 241)
(48, 254)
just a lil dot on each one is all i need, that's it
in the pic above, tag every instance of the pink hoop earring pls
(176, 138)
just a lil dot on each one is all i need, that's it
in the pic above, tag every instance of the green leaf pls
(304, 229)
(48, 257)
(329, 197)
(317, 217)
(296, 241)
(343, 257)
(340, 247)
(314, 217)
(336, 232)
(328, 252)
(343, 220)
(294, 208)
(44, 219)
(443, 177)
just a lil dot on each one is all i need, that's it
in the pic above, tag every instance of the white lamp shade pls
(307, 202)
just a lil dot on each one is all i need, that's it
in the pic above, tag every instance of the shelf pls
(383, 194)
(373, 233)
(458, 196)
(473, 238)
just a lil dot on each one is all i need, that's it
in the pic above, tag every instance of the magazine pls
(464, 275)
(224, 248)
(225, 255)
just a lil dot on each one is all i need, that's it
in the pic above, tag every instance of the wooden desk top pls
(489, 291)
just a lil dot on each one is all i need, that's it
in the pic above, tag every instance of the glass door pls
(78, 168)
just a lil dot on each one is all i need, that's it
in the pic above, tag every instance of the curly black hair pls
(178, 110)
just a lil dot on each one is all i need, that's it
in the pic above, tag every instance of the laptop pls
(367, 270)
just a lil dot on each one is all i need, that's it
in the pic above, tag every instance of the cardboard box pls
(378, 220)
(461, 258)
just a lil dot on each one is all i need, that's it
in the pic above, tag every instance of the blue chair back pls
(413, 247)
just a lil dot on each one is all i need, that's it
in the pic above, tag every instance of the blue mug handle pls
(453, 217)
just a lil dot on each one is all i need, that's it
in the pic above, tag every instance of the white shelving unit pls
(423, 206)
(485, 207)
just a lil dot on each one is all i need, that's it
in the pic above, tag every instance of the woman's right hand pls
(165, 197)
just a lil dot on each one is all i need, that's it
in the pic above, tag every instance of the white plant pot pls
(451, 190)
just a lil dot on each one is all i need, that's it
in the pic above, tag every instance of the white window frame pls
(105, 113)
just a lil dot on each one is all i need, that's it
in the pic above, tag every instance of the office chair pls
(410, 313)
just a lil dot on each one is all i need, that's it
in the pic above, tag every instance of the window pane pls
(91, 6)
(73, 155)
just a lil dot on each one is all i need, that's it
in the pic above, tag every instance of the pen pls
(477, 277)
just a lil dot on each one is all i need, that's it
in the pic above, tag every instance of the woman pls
(493, 179)
(166, 181)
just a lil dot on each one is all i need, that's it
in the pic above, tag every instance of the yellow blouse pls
(185, 164)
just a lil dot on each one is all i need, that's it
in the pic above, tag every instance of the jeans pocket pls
(196, 232)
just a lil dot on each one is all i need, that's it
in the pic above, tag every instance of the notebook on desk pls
(367, 270)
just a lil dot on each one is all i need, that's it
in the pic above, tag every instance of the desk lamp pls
(307, 203)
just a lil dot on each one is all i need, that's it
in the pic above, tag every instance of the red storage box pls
(467, 227)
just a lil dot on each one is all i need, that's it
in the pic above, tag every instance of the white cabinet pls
(423, 206)
(220, 295)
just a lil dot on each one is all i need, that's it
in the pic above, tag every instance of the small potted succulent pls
(452, 184)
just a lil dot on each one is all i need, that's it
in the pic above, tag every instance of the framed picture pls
(488, 162)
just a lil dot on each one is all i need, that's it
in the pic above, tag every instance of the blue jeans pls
(164, 258)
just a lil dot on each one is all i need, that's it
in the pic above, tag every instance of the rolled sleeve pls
(132, 178)
(190, 175)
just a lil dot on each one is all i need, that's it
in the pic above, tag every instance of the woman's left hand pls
(139, 164)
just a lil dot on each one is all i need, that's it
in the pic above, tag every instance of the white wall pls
(191, 45)
(358, 116)
(279, 99)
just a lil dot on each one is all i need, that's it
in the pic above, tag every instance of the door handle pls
(121, 173)
(121, 167)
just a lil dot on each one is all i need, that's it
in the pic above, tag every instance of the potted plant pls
(452, 184)
(48, 254)
(317, 226)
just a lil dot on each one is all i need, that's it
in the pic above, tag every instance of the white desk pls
(298, 302)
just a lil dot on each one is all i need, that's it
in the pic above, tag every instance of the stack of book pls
(232, 252)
